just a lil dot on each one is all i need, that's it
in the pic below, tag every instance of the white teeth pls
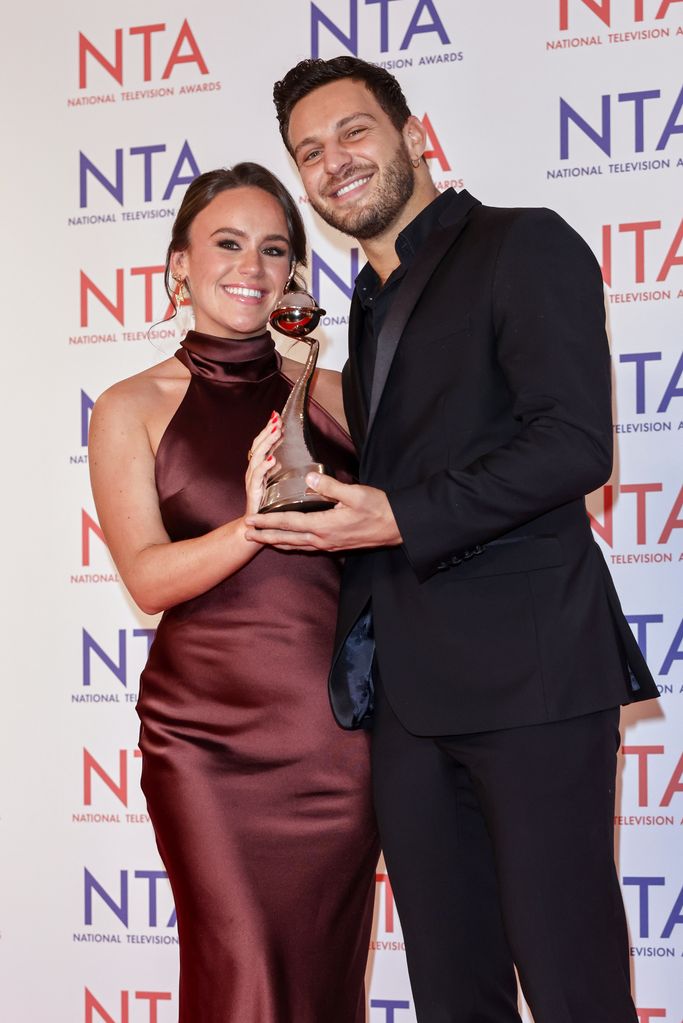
(354, 184)
(247, 292)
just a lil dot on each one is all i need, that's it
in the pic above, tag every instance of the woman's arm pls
(158, 572)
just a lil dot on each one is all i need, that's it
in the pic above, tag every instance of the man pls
(478, 627)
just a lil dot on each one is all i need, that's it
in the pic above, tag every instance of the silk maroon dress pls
(260, 803)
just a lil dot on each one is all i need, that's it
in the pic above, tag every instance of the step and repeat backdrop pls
(111, 110)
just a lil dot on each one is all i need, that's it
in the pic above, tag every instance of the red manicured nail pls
(270, 458)
(273, 415)
(274, 430)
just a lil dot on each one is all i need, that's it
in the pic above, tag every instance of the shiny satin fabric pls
(260, 803)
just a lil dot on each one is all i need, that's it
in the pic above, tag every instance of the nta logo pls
(637, 510)
(636, 239)
(116, 785)
(674, 784)
(180, 174)
(114, 302)
(674, 917)
(147, 1002)
(639, 102)
(424, 20)
(158, 901)
(184, 50)
(639, 361)
(602, 9)
(116, 667)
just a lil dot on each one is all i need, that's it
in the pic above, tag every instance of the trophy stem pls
(286, 489)
(295, 439)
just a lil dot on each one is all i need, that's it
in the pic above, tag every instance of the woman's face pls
(237, 262)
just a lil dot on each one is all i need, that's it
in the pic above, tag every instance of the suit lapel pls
(354, 402)
(412, 286)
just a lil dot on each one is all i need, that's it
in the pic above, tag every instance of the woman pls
(260, 804)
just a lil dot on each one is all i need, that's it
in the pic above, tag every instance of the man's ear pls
(415, 137)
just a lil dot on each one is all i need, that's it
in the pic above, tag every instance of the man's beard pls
(393, 194)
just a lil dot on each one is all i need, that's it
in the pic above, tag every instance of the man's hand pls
(362, 517)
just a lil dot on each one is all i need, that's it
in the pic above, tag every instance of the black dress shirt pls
(375, 298)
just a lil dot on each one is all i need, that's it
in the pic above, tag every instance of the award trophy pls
(296, 315)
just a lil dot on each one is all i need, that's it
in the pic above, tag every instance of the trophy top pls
(296, 314)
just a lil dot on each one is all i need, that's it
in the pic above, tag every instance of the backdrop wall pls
(111, 110)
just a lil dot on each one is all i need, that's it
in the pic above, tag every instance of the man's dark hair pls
(310, 74)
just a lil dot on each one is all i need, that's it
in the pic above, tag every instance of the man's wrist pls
(391, 529)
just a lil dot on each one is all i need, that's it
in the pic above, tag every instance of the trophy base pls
(287, 491)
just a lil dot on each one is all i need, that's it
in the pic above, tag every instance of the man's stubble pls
(392, 195)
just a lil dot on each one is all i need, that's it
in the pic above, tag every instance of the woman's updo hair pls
(243, 175)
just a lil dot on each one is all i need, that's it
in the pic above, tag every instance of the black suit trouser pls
(499, 847)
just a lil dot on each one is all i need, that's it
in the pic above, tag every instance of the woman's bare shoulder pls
(144, 390)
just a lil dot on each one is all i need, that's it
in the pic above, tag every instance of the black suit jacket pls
(489, 421)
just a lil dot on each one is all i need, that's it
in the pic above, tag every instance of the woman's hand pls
(261, 462)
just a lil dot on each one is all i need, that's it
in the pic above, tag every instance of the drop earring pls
(184, 313)
(179, 292)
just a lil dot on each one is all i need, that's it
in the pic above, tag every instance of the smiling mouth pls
(348, 188)
(243, 292)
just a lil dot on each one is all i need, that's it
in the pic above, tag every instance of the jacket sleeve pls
(549, 322)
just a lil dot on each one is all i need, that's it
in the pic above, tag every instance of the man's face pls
(353, 162)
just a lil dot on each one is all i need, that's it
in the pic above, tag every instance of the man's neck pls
(380, 251)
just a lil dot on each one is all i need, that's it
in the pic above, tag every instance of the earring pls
(180, 293)
(184, 313)
(416, 163)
